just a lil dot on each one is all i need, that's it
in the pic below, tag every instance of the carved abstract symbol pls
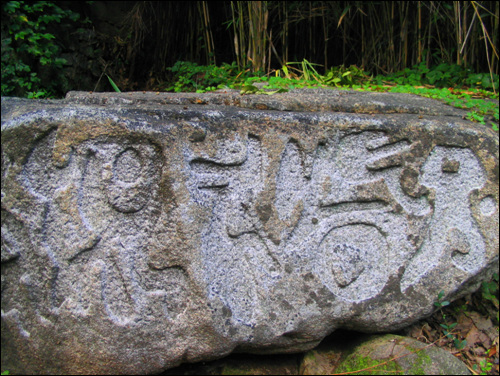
(349, 169)
(291, 183)
(238, 257)
(344, 204)
(453, 173)
(120, 185)
(56, 190)
(234, 176)
(12, 243)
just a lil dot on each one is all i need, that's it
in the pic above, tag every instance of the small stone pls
(197, 135)
(450, 166)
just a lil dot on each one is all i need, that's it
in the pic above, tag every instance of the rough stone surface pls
(141, 231)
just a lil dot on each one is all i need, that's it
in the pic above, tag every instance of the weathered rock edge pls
(299, 100)
(137, 236)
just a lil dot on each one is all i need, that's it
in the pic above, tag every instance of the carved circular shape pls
(488, 206)
(129, 186)
(351, 257)
(127, 200)
(128, 166)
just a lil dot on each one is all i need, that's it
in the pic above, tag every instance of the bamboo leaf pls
(113, 85)
(249, 89)
(343, 15)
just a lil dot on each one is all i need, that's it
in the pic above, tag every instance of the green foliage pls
(484, 367)
(201, 78)
(489, 291)
(438, 84)
(482, 80)
(440, 76)
(251, 89)
(481, 110)
(307, 72)
(447, 332)
(474, 116)
(26, 46)
(445, 75)
(342, 76)
(433, 83)
(5, 373)
(113, 85)
(440, 303)
(189, 76)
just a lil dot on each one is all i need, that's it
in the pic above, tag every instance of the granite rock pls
(142, 231)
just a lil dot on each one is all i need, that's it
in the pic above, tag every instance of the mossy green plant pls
(361, 365)
(392, 354)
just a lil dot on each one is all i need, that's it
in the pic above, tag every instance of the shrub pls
(28, 47)
(193, 77)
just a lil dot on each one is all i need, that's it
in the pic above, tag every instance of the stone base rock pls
(383, 355)
(142, 231)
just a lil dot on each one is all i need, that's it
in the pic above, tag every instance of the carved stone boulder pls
(141, 231)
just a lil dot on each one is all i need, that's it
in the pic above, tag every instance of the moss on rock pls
(392, 354)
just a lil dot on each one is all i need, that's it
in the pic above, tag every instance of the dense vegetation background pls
(49, 48)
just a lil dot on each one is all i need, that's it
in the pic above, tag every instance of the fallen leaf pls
(476, 336)
(465, 323)
(427, 330)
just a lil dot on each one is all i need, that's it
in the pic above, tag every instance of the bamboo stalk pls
(242, 21)
(286, 37)
(458, 31)
(209, 41)
(236, 45)
(391, 58)
(419, 57)
(429, 38)
(363, 47)
(494, 60)
(257, 23)
(486, 39)
(379, 36)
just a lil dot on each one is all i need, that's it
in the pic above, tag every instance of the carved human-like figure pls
(95, 226)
